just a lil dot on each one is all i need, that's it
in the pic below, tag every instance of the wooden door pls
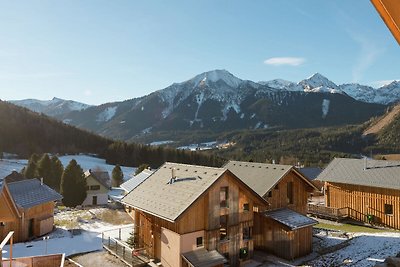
(94, 201)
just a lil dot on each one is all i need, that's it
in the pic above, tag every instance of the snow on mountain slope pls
(107, 114)
(318, 83)
(53, 107)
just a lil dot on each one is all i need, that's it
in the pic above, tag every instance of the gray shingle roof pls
(29, 193)
(101, 176)
(136, 180)
(260, 177)
(290, 218)
(156, 195)
(379, 173)
(204, 258)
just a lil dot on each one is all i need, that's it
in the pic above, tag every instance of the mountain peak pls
(215, 76)
(317, 80)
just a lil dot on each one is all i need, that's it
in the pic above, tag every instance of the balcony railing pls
(328, 212)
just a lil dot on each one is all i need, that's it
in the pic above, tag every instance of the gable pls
(8, 209)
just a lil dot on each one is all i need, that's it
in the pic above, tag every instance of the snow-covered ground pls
(364, 249)
(85, 161)
(85, 238)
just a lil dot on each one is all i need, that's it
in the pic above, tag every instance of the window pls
(247, 233)
(270, 194)
(246, 207)
(223, 227)
(95, 187)
(223, 197)
(199, 241)
(243, 253)
(290, 192)
(388, 209)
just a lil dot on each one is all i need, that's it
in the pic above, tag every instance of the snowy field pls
(85, 161)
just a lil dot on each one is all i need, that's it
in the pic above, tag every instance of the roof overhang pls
(389, 10)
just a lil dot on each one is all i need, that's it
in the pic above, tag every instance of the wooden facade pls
(278, 197)
(290, 192)
(382, 203)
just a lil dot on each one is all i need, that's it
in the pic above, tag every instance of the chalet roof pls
(260, 177)
(14, 177)
(157, 195)
(101, 176)
(32, 192)
(204, 258)
(379, 173)
(290, 218)
(136, 180)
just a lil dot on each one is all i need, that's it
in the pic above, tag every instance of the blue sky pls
(103, 51)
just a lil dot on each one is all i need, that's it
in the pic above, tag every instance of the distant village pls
(242, 214)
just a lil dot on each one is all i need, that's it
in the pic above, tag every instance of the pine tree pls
(44, 170)
(73, 185)
(141, 168)
(56, 172)
(31, 170)
(117, 176)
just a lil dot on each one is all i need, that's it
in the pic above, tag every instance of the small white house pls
(98, 183)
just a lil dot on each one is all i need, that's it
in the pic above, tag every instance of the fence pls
(328, 212)
(113, 241)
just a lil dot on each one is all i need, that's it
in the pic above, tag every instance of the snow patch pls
(325, 107)
(107, 114)
(252, 115)
(242, 115)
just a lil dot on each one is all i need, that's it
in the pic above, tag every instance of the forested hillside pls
(24, 132)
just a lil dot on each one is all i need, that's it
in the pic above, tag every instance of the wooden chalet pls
(284, 229)
(189, 215)
(369, 190)
(26, 208)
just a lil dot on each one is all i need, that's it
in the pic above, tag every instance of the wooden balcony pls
(328, 212)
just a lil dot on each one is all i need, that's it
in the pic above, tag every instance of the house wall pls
(43, 220)
(275, 238)
(102, 193)
(173, 245)
(8, 215)
(364, 200)
(301, 191)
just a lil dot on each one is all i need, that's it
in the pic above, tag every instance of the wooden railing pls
(328, 212)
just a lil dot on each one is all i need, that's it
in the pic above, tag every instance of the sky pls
(96, 51)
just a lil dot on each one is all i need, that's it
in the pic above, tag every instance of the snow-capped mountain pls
(318, 83)
(218, 101)
(53, 107)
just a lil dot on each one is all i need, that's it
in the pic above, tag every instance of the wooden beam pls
(389, 10)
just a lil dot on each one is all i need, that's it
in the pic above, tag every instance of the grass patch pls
(115, 217)
(66, 223)
(352, 228)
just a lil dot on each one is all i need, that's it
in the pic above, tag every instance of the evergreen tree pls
(56, 172)
(141, 168)
(73, 185)
(117, 176)
(31, 170)
(44, 170)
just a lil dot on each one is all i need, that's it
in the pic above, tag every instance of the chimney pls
(365, 163)
(173, 176)
(41, 181)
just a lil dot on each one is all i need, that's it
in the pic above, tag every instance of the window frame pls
(388, 209)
